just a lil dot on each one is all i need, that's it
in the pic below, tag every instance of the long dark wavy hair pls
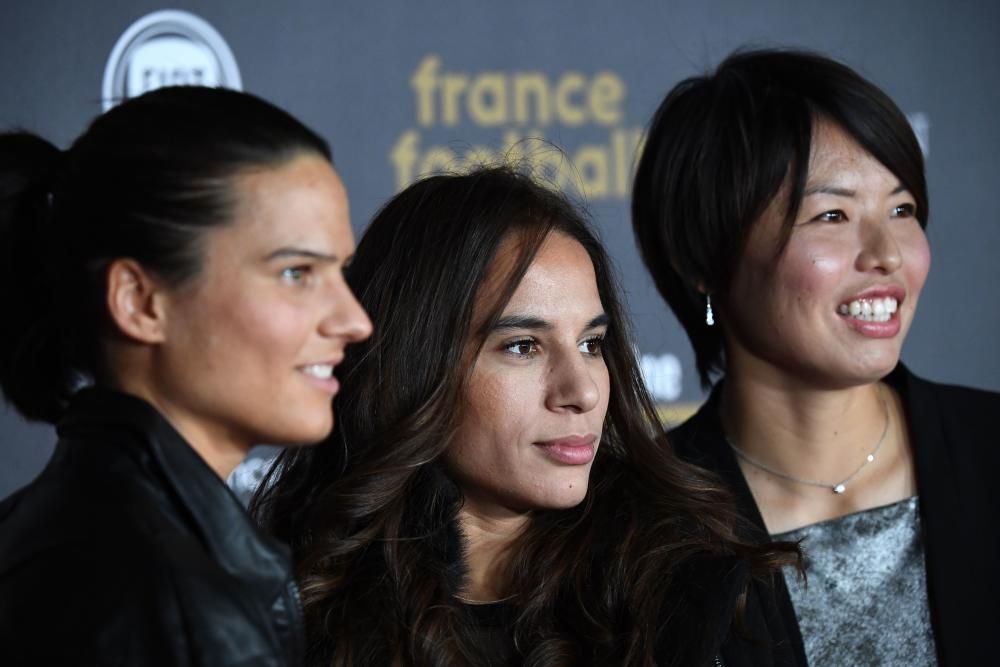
(371, 512)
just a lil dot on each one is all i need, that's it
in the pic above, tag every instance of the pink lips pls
(573, 450)
(881, 292)
(329, 385)
(875, 329)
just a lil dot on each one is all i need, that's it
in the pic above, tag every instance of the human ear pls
(134, 302)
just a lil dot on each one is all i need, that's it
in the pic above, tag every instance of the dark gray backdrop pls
(345, 69)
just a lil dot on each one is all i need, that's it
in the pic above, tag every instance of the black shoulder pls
(701, 440)
(77, 604)
(761, 635)
(132, 606)
(699, 611)
(969, 402)
(961, 419)
(102, 574)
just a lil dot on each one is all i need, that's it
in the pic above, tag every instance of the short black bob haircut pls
(721, 146)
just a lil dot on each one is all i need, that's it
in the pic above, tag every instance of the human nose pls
(571, 384)
(347, 318)
(879, 249)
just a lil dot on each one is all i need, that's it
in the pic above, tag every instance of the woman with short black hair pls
(173, 295)
(780, 204)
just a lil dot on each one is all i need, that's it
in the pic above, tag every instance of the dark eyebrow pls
(537, 324)
(521, 322)
(843, 192)
(281, 253)
(601, 320)
(828, 190)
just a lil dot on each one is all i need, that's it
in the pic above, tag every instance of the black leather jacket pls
(129, 550)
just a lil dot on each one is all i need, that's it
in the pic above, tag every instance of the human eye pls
(835, 215)
(904, 211)
(593, 346)
(521, 348)
(296, 275)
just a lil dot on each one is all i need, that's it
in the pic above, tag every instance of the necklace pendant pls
(840, 488)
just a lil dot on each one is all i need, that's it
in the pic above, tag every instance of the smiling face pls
(538, 392)
(835, 306)
(251, 342)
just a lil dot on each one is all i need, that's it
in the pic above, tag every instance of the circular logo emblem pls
(167, 48)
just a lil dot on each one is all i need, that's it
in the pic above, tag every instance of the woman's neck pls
(801, 430)
(488, 534)
(852, 441)
(222, 451)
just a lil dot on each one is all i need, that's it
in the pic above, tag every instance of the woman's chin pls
(565, 498)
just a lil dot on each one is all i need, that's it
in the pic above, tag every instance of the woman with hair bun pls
(172, 296)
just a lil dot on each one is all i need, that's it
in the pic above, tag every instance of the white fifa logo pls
(167, 48)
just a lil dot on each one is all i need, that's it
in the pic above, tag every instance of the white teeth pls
(870, 310)
(321, 371)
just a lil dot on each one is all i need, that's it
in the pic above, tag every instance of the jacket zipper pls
(298, 622)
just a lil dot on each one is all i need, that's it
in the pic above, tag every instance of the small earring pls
(709, 315)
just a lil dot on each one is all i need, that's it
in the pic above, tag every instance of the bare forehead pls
(299, 204)
(305, 185)
(560, 282)
(301, 174)
(836, 157)
(559, 259)
(560, 273)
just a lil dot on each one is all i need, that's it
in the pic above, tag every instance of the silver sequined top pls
(865, 600)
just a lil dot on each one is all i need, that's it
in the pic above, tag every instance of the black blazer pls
(129, 550)
(954, 434)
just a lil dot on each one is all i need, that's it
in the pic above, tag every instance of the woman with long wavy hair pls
(496, 490)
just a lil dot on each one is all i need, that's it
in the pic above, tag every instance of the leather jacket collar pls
(125, 426)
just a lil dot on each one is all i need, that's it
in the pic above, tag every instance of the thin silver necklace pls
(837, 488)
